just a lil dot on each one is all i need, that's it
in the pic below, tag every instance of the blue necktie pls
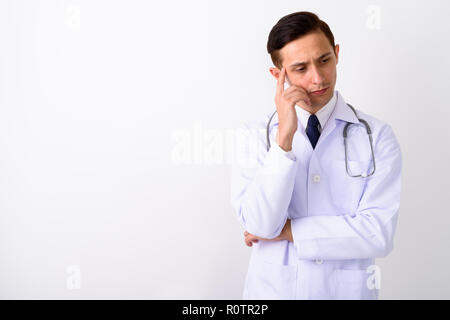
(312, 130)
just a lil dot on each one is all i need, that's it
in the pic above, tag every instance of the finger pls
(251, 238)
(307, 101)
(296, 89)
(297, 96)
(296, 100)
(280, 81)
(249, 235)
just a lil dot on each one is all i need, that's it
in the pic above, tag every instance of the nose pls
(316, 75)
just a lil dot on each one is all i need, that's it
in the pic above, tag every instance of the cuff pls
(306, 248)
(288, 154)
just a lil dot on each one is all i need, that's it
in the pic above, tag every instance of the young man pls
(317, 211)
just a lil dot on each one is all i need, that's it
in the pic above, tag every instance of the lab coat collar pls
(342, 111)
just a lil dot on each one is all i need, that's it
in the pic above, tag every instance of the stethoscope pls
(344, 133)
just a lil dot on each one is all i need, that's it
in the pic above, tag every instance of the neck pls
(312, 109)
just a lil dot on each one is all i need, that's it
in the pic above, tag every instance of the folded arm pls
(262, 185)
(368, 232)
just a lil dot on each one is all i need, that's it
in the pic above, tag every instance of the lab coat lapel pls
(340, 112)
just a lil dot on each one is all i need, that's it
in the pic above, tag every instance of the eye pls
(302, 69)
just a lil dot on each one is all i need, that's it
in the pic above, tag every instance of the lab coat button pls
(319, 261)
(316, 178)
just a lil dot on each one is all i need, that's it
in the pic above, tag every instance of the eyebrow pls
(297, 64)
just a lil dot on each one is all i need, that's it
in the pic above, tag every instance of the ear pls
(336, 51)
(275, 72)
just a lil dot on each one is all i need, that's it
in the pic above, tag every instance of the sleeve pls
(367, 233)
(262, 183)
(288, 154)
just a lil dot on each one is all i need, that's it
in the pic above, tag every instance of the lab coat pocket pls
(266, 280)
(352, 285)
(345, 190)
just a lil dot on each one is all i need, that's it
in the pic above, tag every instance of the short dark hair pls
(292, 27)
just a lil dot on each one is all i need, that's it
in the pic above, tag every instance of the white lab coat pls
(339, 224)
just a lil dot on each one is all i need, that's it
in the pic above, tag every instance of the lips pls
(319, 92)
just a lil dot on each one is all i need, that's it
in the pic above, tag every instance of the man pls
(313, 209)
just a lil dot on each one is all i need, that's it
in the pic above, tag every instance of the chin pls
(326, 97)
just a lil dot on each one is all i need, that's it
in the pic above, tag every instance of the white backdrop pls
(115, 125)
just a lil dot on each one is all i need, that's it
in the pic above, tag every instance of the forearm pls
(343, 237)
(264, 203)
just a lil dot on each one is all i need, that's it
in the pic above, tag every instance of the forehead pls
(310, 46)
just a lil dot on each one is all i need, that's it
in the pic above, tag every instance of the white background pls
(95, 95)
